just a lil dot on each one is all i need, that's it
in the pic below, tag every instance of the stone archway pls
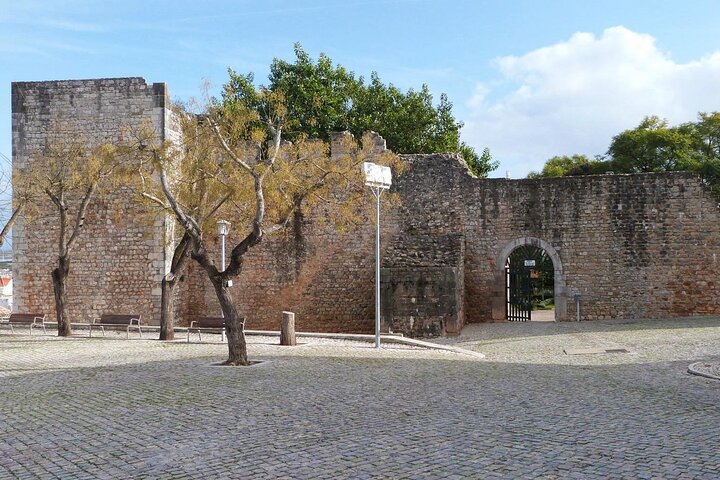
(560, 291)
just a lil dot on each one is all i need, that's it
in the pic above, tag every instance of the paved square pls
(112, 408)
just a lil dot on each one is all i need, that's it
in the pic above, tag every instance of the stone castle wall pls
(327, 279)
(633, 246)
(630, 245)
(118, 261)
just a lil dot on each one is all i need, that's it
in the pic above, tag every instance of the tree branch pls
(155, 199)
(188, 223)
(216, 131)
(218, 205)
(80, 218)
(11, 222)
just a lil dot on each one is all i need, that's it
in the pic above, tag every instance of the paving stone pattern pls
(113, 408)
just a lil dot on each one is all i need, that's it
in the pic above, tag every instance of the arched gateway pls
(500, 298)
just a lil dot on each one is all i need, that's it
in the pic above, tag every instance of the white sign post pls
(378, 178)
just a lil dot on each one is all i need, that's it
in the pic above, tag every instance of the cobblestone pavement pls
(115, 408)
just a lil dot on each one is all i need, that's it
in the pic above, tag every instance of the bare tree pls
(234, 163)
(15, 195)
(190, 180)
(70, 172)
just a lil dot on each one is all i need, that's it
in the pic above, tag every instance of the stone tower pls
(119, 259)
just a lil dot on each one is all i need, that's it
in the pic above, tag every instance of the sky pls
(529, 79)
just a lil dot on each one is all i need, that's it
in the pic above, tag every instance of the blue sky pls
(530, 79)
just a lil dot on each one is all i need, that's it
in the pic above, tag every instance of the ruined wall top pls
(345, 143)
(77, 88)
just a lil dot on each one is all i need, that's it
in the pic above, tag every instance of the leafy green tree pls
(705, 142)
(705, 134)
(481, 165)
(565, 166)
(322, 98)
(408, 121)
(650, 147)
(318, 95)
(655, 147)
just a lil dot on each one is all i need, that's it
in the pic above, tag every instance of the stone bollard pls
(287, 329)
(578, 297)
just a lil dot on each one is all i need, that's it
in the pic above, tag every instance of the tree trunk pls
(167, 313)
(59, 275)
(234, 327)
(169, 281)
(237, 347)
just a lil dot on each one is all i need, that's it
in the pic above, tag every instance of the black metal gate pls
(519, 293)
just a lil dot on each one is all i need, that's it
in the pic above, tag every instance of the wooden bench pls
(27, 319)
(112, 320)
(209, 324)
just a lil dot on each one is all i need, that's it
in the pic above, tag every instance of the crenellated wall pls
(631, 245)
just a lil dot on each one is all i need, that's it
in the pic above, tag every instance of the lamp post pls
(378, 178)
(223, 229)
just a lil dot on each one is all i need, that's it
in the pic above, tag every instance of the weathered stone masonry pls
(631, 245)
(119, 259)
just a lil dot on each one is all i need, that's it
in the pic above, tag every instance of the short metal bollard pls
(578, 297)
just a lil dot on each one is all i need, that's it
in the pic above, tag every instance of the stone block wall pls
(634, 246)
(119, 259)
(422, 284)
(631, 245)
(326, 278)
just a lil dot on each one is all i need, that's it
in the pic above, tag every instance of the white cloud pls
(572, 97)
